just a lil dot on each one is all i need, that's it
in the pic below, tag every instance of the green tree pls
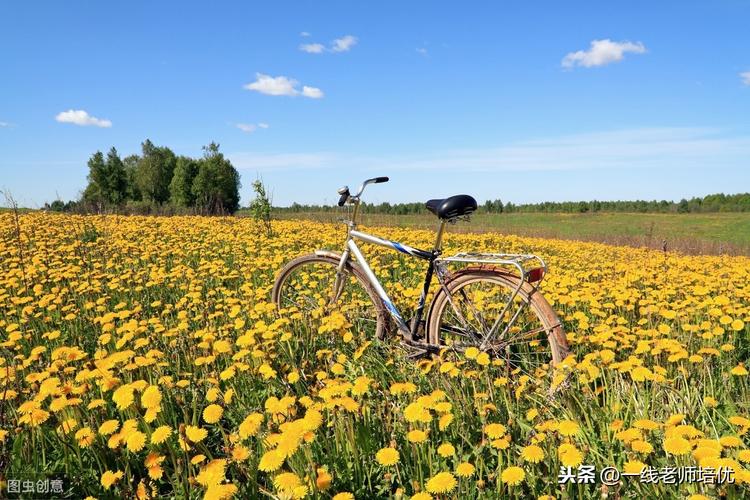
(94, 192)
(181, 187)
(130, 163)
(683, 207)
(154, 172)
(107, 180)
(116, 179)
(216, 187)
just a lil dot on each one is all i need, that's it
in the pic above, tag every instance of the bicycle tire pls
(332, 259)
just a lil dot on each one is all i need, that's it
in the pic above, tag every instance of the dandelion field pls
(141, 357)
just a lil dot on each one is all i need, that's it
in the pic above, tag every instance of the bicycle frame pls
(351, 248)
(409, 332)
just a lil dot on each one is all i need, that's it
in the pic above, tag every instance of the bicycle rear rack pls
(524, 263)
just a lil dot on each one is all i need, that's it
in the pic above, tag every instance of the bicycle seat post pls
(439, 238)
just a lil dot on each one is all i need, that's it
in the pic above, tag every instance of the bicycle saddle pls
(454, 206)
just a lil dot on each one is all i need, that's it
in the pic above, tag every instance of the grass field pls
(141, 358)
(714, 233)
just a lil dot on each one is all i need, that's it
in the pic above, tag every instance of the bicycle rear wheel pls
(306, 286)
(474, 307)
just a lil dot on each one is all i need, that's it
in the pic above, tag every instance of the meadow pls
(693, 233)
(141, 358)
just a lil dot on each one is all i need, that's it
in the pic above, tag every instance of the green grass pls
(691, 233)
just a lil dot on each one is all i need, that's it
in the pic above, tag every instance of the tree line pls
(158, 181)
(711, 203)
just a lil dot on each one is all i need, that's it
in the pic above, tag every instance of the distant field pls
(690, 233)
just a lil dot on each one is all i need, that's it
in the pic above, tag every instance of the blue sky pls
(523, 101)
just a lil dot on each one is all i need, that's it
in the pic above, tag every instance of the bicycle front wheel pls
(527, 334)
(308, 286)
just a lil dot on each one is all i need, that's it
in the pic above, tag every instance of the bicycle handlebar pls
(344, 191)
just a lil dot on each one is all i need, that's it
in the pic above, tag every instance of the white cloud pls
(602, 52)
(312, 92)
(422, 51)
(312, 48)
(281, 85)
(270, 85)
(5, 125)
(304, 34)
(343, 44)
(246, 127)
(81, 118)
(644, 148)
(745, 77)
(249, 128)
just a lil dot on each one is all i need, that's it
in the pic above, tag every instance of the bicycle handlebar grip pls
(343, 198)
(378, 180)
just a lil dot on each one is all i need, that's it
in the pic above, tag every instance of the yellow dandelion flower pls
(446, 450)
(161, 434)
(495, 431)
(569, 455)
(483, 359)
(212, 473)
(223, 491)
(465, 469)
(123, 397)
(568, 428)
(445, 421)
(416, 412)
(286, 481)
(387, 456)
(153, 459)
(108, 427)
(251, 425)
(84, 436)
(730, 441)
(513, 476)
(212, 413)
(442, 482)
(195, 434)
(155, 472)
(417, 436)
(271, 461)
(151, 397)
(136, 441)
(240, 453)
(109, 478)
(641, 446)
(533, 454)
(677, 446)
(633, 467)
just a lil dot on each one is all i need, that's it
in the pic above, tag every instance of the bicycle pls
(482, 305)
